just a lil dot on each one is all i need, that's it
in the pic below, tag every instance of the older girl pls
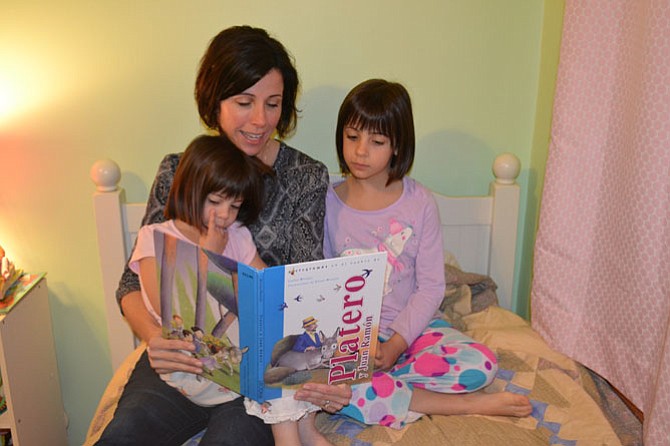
(424, 365)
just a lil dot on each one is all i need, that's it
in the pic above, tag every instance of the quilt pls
(571, 405)
(566, 408)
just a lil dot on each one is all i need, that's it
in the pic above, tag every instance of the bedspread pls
(571, 406)
(566, 403)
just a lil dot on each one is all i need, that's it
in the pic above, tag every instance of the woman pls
(246, 88)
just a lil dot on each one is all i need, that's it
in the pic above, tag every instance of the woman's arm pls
(307, 225)
(165, 355)
(143, 324)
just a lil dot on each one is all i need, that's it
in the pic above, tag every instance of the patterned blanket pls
(571, 406)
(566, 404)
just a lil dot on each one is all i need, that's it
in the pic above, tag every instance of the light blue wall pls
(82, 80)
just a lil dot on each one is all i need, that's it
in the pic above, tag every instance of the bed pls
(571, 405)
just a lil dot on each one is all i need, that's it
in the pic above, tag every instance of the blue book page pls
(259, 326)
(261, 300)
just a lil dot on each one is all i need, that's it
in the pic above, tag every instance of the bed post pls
(107, 201)
(505, 193)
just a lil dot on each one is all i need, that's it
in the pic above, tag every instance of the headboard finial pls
(506, 168)
(106, 174)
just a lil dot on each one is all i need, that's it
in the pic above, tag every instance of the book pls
(256, 330)
(9, 275)
(19, 289)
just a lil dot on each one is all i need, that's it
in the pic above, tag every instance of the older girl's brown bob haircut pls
(382, 107)
(212, 164)
(235, 60)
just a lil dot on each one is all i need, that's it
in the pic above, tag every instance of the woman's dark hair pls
(235, 60)
(383, 107)
(212, 164)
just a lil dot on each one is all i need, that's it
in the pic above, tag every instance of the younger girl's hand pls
(216, 237)
(172, 355)
(388, 352)
(330, 398)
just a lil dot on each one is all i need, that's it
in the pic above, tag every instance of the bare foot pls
(506, 404)
(309, 434)
(477, 403)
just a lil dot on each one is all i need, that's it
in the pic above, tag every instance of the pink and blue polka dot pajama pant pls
(441, 360)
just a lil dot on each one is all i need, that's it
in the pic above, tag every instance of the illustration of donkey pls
(223, 358)
(286, 361)
(229, 356)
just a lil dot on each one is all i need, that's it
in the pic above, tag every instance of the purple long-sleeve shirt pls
(409, 231)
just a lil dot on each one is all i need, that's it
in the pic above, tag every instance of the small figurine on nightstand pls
(9, 274)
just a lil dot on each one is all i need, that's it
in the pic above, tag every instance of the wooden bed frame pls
(480, 231)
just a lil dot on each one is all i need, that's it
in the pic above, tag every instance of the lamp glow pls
(23, 85)
(8, 100)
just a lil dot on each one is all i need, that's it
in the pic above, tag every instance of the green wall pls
(81, 80)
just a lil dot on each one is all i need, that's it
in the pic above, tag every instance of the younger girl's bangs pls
(232, 184)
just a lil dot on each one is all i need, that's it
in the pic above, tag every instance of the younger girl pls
(217, 190)
(423, 365)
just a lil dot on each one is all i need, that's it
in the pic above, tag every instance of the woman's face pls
(250, 118)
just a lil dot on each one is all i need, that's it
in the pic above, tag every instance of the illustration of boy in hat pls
(309, 340)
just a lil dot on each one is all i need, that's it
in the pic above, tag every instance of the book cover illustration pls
(263, 333)
(339, 299)
(198, 304)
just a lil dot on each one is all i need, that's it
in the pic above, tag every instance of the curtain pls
(601, 277)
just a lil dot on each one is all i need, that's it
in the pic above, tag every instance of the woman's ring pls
(326, 404)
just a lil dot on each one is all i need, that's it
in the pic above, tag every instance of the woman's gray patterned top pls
(290, 226)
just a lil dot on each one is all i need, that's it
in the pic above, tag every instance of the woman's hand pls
(172, 355)
(330, 398)
(388, 352)
(216, 237)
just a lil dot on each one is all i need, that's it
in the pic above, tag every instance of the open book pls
(263, 333)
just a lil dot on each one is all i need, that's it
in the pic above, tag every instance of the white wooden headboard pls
(480, 231)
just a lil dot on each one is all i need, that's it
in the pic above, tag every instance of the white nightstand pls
(30, 377)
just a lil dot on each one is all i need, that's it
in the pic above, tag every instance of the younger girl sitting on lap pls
(424, 366)
(217, 190)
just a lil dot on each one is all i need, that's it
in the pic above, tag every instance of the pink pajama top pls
(409, 232)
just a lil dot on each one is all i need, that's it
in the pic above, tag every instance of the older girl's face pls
(368, 155)
(250, 118)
